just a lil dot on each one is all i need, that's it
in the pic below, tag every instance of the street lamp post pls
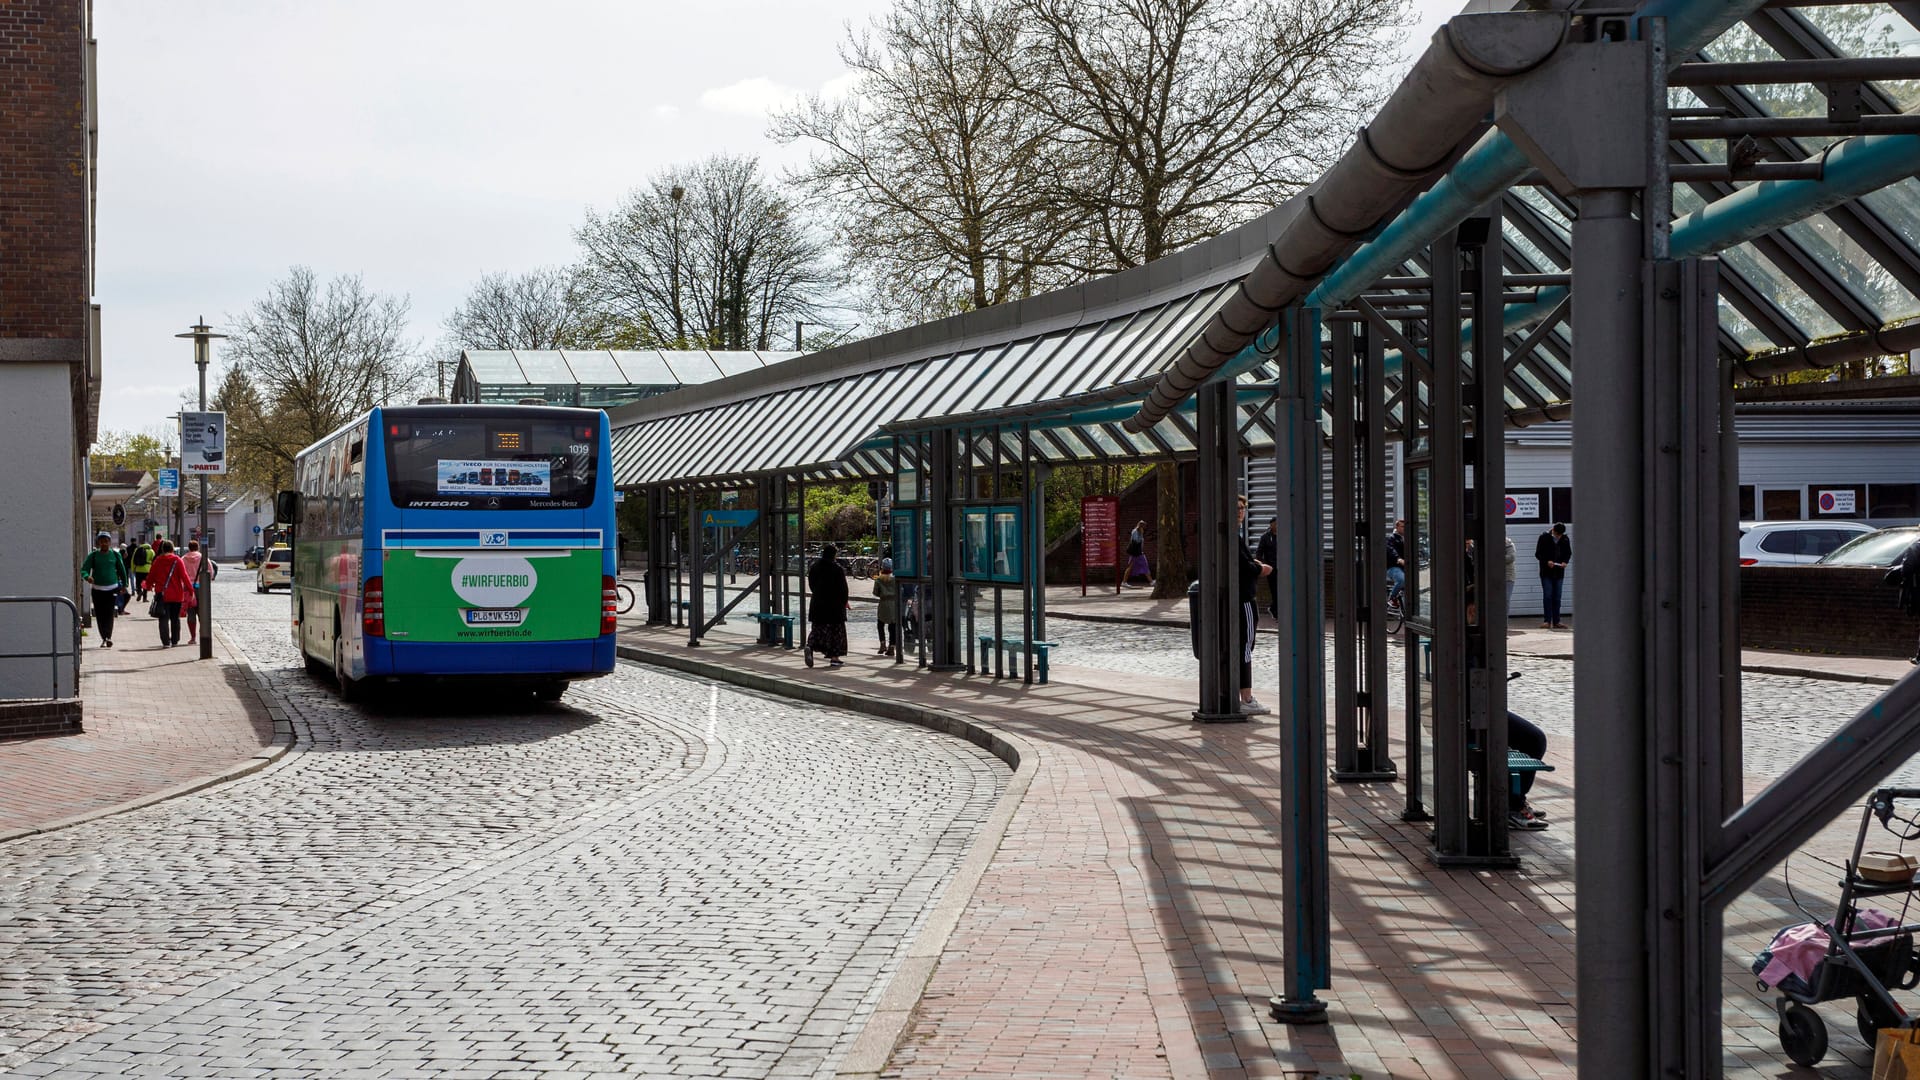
(203, 336)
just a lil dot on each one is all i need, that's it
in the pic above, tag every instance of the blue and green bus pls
(465, 543)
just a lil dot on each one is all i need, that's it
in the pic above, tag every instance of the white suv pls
(1794, 543)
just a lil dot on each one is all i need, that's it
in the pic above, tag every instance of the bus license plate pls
(495, 616)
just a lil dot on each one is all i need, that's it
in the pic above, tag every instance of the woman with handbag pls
(171, 588)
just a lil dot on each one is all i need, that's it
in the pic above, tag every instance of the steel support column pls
(1301, 700)
(1216, 538)
(696, 609)
(1359, 564)
(659, 576)
(941, 617)
(1609, 710)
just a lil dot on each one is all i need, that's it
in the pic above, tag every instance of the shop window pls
(1900, 501)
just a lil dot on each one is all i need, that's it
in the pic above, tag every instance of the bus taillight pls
(609, 605)
(373, 608)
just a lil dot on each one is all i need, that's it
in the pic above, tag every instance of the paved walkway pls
(156, 720)
(1129, 924)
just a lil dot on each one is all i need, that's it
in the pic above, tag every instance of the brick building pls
(49, 326)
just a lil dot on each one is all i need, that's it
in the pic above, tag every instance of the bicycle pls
(626, 597)
(1396, 611)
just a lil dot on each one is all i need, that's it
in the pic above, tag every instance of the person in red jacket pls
(172, 586)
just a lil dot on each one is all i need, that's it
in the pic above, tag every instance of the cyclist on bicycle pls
(1397, 561)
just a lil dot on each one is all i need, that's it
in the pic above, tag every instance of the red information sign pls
(1099, 534)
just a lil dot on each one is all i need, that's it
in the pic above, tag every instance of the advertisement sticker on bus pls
(494, 477)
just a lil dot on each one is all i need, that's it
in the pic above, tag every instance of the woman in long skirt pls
(828, 613)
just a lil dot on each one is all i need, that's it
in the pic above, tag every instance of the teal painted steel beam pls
(1852, 168)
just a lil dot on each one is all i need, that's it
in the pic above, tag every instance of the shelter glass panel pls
(690, 368)
(545, 366)
(595, 368)
(645, 367)
(495, 367)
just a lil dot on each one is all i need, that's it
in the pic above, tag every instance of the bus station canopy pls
(1816, 270)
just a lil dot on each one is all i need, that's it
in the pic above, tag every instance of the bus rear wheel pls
(351, 690)
(550, 691)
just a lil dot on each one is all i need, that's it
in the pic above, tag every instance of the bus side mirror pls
(286, 507)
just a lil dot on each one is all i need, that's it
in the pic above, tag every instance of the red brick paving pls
(1130, 923)
(155, 719)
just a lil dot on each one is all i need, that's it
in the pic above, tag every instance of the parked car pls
(277, 570)
(1881, 548)
(1794, 543)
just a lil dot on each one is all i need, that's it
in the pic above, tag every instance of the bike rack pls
(54, 604)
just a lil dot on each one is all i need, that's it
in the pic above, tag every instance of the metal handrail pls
(54, 603)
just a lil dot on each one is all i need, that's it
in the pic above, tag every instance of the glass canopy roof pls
(594, 377)
(1852, 269)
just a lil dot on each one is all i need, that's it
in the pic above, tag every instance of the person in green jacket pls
(105, 573)
(142, 562)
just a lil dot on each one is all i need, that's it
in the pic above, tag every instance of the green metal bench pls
(768, 621)
(1014, 647)
(1518, 765)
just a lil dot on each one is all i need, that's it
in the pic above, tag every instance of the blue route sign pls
(728, 519)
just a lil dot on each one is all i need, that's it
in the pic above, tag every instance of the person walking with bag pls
(828, 584)
(1137, 556)
(1247, 579)
(171, 588)
(142, 565)
(106, 575)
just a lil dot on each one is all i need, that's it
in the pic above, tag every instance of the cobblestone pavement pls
(1786, 716)
(658, 877)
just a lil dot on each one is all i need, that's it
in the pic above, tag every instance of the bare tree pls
(707, 256)
(1181, 118)
(935, 163)
(534, 310)
(306, 358)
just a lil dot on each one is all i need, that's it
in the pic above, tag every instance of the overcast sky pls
(417, 144)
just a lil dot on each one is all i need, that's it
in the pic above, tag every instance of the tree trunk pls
(1170, 576)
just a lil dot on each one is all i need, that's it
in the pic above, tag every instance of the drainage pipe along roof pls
(1446, 96)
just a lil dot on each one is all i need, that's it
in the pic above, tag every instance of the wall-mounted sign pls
(1524, 505)
(1836, 502)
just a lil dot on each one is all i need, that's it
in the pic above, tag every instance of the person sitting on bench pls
(1525, 736)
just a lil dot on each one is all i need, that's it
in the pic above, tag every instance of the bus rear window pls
(483, 463)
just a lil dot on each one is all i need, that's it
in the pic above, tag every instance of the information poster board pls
(1007, 548)
(1099, 535)
(203, 443)
(906, 543)
(976, 555)
(168, 485)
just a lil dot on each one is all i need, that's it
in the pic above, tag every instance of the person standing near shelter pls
(828, 584)
(887, 588)
(1250, 571)
(1267, 553)
(105, 573)
(142, 564)
(1137, 556)
(171, 587)
(1906, 574)
(1554, 551)
(1510, 558)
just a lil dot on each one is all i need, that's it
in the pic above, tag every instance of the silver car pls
(1794, 543)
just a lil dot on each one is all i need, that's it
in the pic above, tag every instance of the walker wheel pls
(1870, 1017)
(1803, 1035)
